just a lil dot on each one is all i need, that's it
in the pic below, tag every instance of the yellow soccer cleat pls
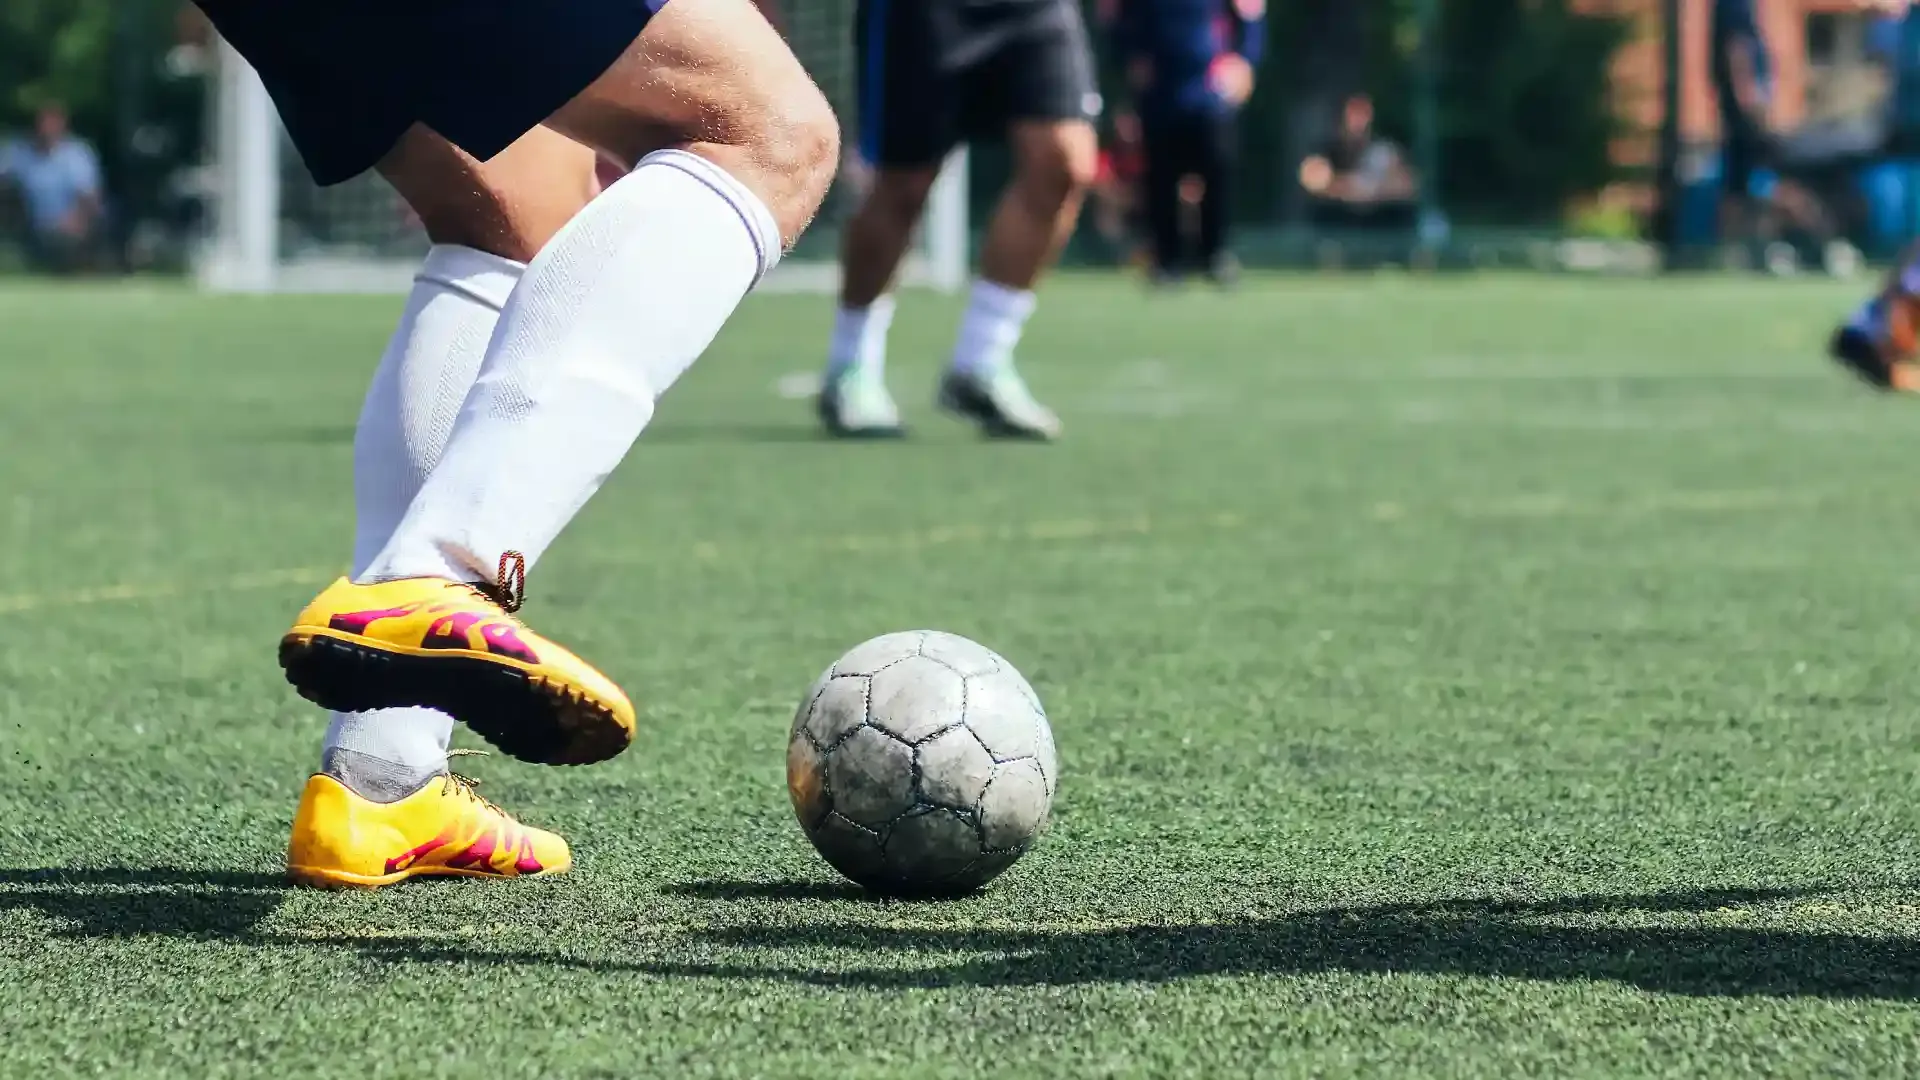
(433, 643)
(445, 829)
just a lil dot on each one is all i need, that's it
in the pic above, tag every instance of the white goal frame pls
(242, 251)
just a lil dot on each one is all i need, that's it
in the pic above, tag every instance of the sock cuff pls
(1003, 300)
(753, 213)
(478, 275)
(881, 310)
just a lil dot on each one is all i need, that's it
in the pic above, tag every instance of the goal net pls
(273, 230)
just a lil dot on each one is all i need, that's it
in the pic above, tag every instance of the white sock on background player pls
(423, 378)
(610, 313)
(990, 330)
(860, 339)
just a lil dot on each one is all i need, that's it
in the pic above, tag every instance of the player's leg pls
(908, 116)
(1215, 155)
(732, 148)
(1166, 164)
(854, 401)
(1881, 342)
(1041, 86)
(345, 77)
(485, 220)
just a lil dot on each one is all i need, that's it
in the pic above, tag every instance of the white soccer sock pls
(990, 330)
(609, 315)
(423, 378)
(860, 339)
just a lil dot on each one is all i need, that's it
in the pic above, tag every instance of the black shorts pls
(936, 73)
(351, 76)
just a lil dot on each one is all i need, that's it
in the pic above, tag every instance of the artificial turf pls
(1473, 677)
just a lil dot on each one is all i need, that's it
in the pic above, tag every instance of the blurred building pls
(1823, 66)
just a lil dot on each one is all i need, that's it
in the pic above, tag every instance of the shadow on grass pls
(1488, 939)
(792, 891)
(1566, 939)
(111, 902)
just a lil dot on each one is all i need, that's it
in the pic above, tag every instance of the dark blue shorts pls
(936, 73)
(351, 76)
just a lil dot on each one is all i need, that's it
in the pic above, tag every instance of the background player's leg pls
(1215, 158)
(876, 237)
(854, 400)
(910, 100)
(633, 289)
(1164, 168)
(1054, 164)
(490, 219)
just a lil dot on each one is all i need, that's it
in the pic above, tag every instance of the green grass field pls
(1451, 678)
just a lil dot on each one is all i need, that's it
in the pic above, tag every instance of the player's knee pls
(813, 136)
(1058, 165)
(788, 156)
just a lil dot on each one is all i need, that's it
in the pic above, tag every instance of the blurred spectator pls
(1116, 188)
(1360, 179)
(57, 177)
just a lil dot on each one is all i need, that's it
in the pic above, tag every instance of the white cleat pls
(1000, 403)
(857, 406)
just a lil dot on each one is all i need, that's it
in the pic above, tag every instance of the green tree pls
(1525, 109)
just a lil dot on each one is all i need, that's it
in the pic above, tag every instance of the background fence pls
(1524, 120)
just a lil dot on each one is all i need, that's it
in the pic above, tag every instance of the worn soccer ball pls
(921, 764)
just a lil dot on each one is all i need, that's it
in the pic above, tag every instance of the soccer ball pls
(921, 764)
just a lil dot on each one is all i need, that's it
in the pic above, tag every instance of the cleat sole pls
(830, 420)
(1856, 352)
(991, 423)
(320, 877)
(521, 713)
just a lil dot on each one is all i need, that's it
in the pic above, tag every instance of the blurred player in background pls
(1881, 342)
(934, 74)
(538, 335)
(1742, 71)
(1191, 65)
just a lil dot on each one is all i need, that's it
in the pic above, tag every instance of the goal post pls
(272, 230)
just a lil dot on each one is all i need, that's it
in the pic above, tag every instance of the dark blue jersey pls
(1735, 27)
(1181, 40)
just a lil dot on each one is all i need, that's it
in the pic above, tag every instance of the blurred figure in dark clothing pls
(1359, 179)
(1191, 65)
(1742, 71)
